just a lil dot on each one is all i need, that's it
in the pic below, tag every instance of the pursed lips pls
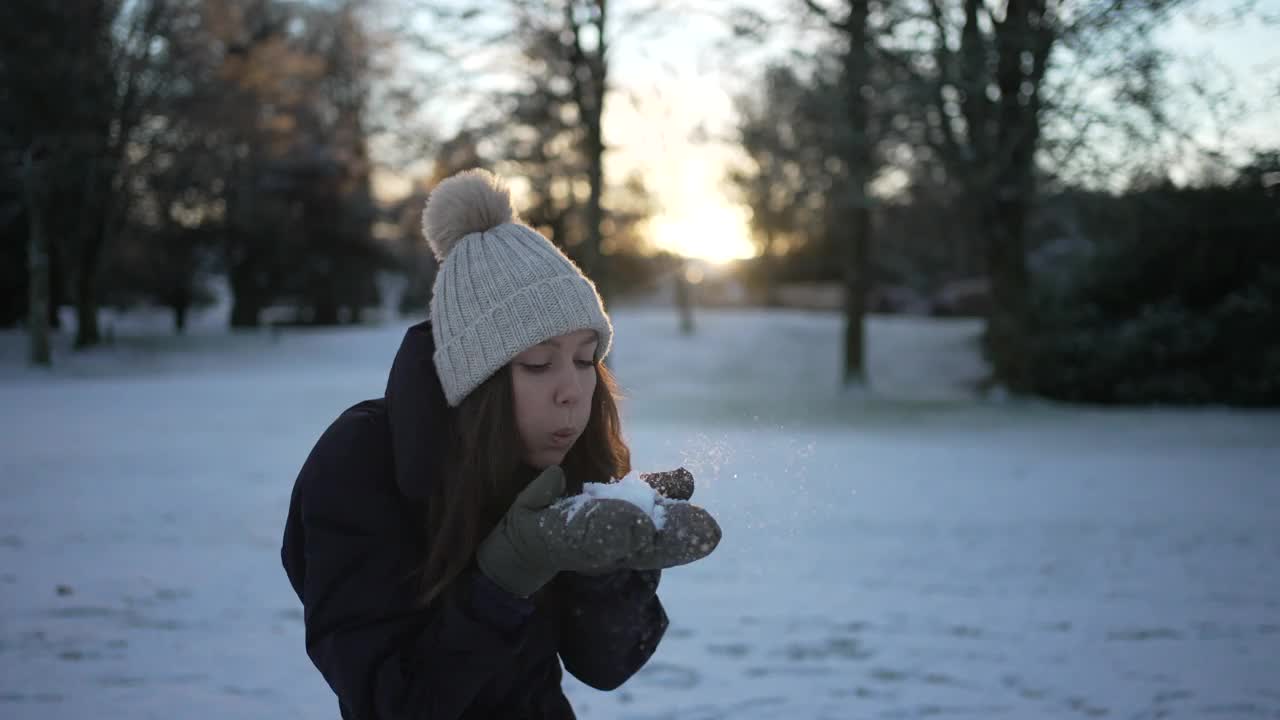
(563, 436)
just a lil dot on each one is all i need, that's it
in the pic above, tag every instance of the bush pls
(1181, 307)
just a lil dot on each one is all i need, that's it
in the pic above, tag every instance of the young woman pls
(439, 575)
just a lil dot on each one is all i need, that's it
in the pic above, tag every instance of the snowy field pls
(906, 552)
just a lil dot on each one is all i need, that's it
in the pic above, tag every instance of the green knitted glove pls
(535, 540)
(689, 533)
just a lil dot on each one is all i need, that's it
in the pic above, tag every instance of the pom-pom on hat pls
(501, 288)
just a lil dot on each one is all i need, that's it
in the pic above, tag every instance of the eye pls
(535, 367)
(584, 363)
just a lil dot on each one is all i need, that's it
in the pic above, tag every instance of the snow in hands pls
(631, 489)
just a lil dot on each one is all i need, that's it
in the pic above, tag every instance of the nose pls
(569, 387)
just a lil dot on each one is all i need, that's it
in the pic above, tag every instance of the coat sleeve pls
(610, 625)
(384, 656)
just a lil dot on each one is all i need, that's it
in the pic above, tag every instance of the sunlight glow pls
(715, 233)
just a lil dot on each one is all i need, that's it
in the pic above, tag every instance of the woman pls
(440, 576)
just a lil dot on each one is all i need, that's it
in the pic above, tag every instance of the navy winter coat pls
(354, 533)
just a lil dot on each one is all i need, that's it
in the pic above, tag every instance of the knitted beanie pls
(501, 288)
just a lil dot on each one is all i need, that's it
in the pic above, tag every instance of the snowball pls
(631, 489)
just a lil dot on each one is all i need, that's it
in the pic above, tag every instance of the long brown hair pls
(485, 471)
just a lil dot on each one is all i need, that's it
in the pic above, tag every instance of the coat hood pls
(417, 413)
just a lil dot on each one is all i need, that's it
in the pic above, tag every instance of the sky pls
(671, 116)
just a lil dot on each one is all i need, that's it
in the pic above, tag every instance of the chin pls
(546, 458)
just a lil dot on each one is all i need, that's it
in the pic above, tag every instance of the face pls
(552, 384)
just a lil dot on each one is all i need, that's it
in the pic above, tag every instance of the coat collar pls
(417, 413)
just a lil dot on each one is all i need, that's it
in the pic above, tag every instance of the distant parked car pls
(898, 300)
(967, 297)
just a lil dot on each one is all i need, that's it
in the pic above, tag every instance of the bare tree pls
(546, 115)
(80, 111)
(979, 72)
(856, 151)
(128, 86)
(775, 129)
(586, 21)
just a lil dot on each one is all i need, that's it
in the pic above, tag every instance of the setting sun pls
(716, 233)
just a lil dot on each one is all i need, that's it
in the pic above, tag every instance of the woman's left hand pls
(688, 533)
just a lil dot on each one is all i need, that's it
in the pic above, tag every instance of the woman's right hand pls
(535, 540)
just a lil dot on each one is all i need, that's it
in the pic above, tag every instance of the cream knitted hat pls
(502, 287)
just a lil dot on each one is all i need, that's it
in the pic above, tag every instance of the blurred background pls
(1097, 181)
(965, 313)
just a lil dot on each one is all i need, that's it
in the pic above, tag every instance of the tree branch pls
(944, 59)
(825, 15)
(577, 59)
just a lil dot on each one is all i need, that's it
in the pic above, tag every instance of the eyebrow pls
(556, 343)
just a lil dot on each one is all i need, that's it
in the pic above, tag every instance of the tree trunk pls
(589, 88)
(1006, 326)
(858, 161)
(181, 306)
(1006, 261)
(109, 192)
(855, 298)
(91, 236)
(325, 311)
(769, 271)
(684, 300)
(246, 313)
(246, 301)
(180, 309)
(57, 283)
(38, 271)
(595, 211)
(88, 333)
(1021, 40)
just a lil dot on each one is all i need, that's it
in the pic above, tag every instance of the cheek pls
(524, 399)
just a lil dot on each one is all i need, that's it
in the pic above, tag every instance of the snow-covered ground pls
(903, 552)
